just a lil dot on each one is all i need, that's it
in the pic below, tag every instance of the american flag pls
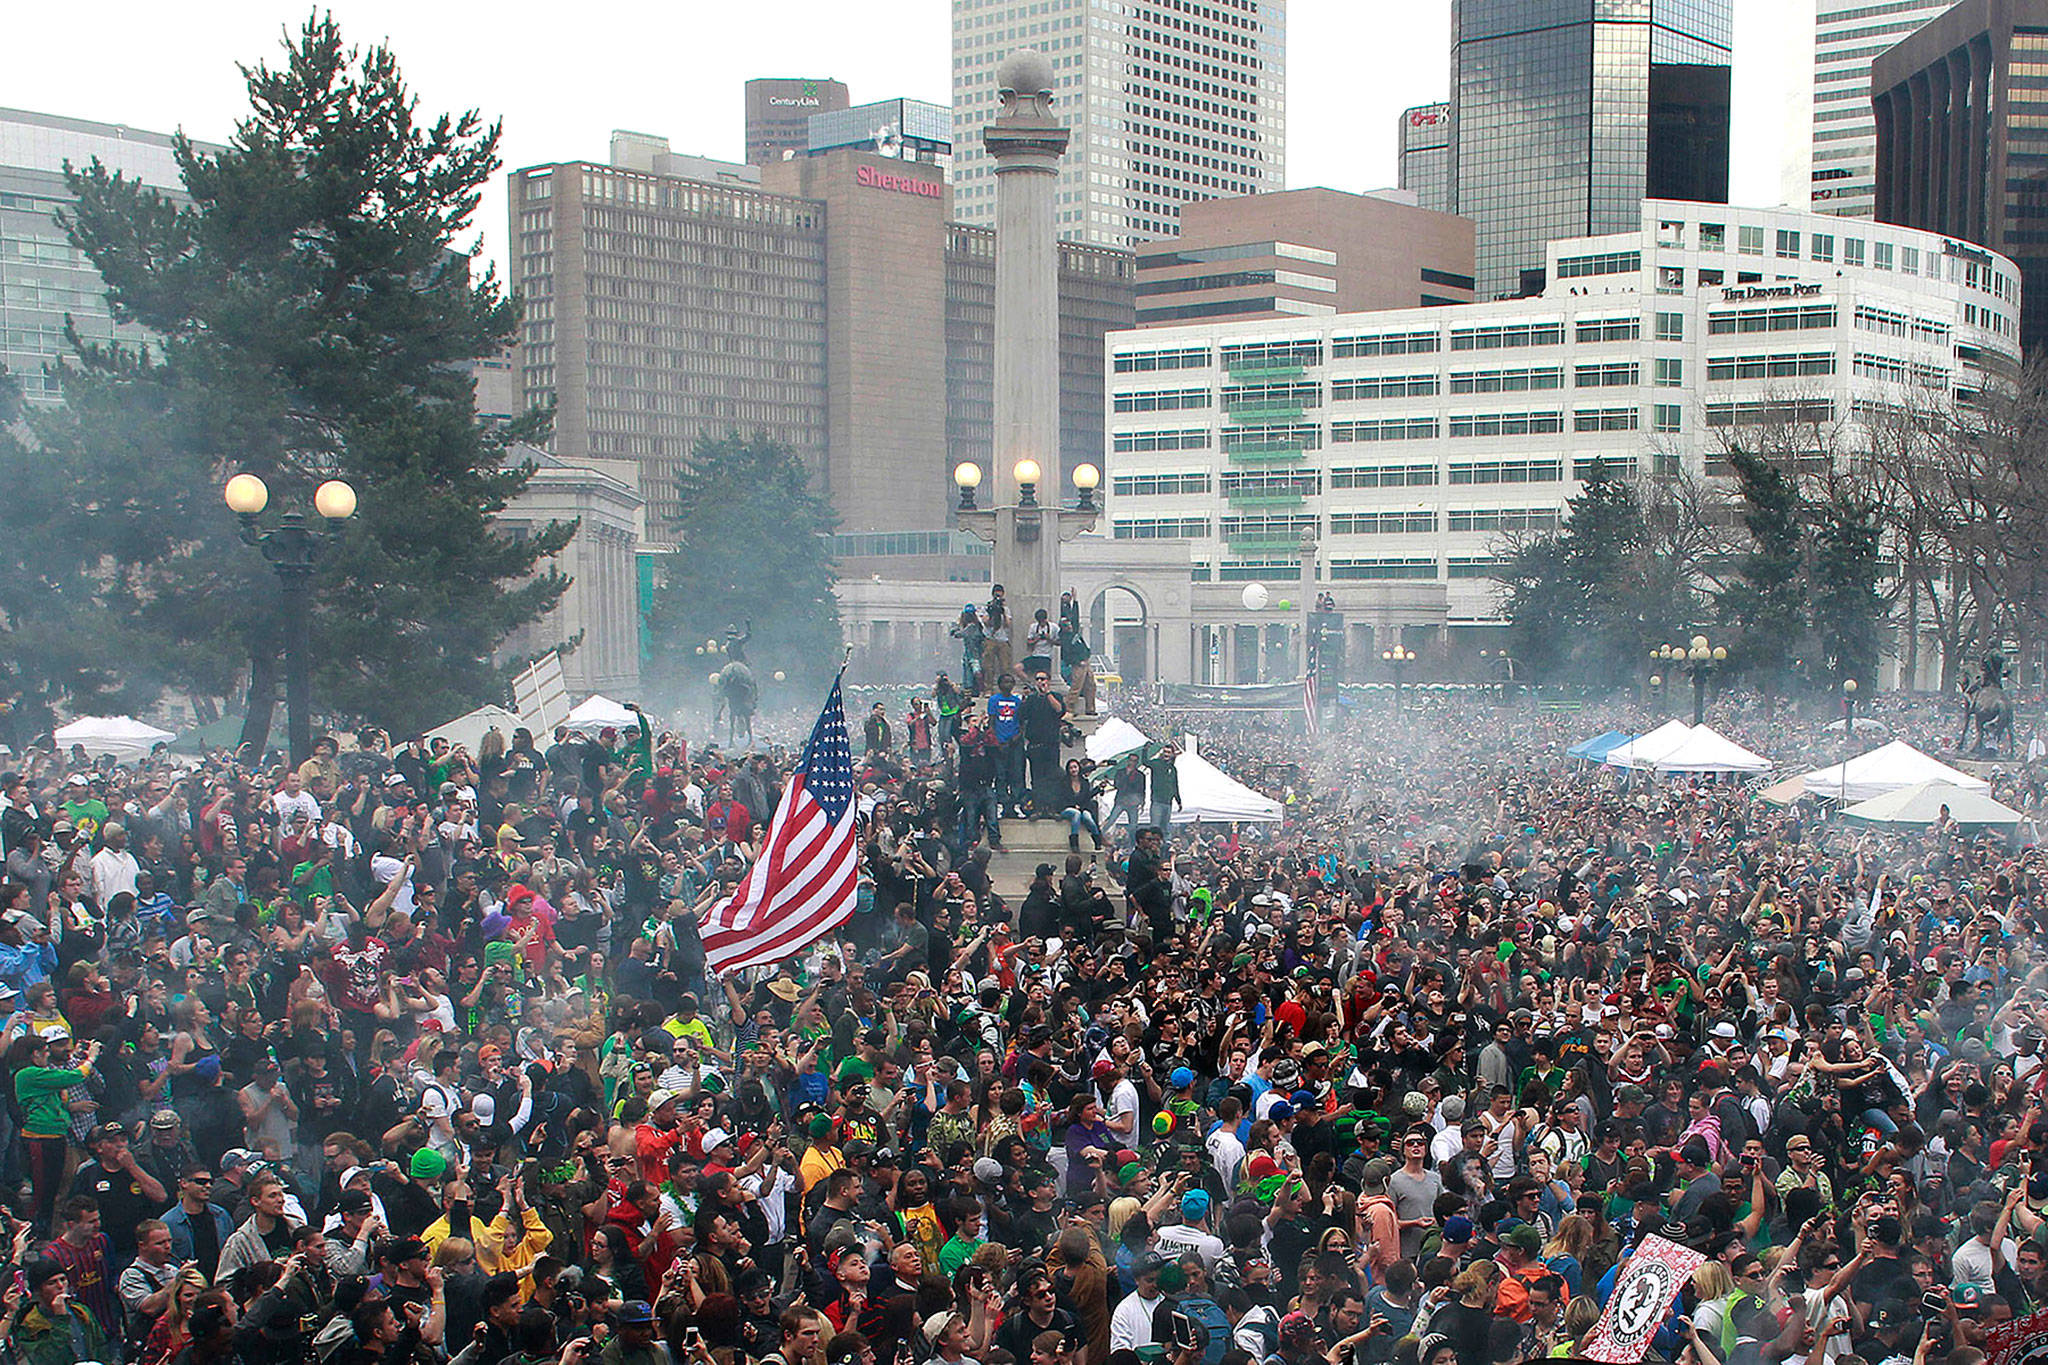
(804, 882)
(1308, 702)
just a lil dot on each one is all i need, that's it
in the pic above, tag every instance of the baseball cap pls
(355, 1201)
(714, 1139)
(1180, 1078)
(656, 1099)
(1194, 1205)
(234, 1157)
(935, 1326)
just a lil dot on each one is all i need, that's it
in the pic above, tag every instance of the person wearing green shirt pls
(961, 1246)
(45, 1121)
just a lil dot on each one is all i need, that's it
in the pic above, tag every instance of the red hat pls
(747, 1141)
(518, 894)
(1103, 1068)
(1262, 1166)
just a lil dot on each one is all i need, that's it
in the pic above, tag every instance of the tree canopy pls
(313, 315)
(751, 544)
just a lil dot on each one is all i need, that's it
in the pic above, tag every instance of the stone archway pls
(1120, 627)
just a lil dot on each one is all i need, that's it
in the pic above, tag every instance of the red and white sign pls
(1430, 117)
(2020, 1341)
(874, 177)
(1642, 1299)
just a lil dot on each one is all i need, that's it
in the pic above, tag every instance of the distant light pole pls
(1699, 659)
(1398, 659)
(292, 548)
(1848, 730)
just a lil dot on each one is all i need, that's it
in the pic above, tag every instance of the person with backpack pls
(1196, 1318)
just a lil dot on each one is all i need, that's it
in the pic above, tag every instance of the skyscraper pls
(1566, 116)
(1168, 101)
(779, 110)
(1958, 110)
(43, 278)
(1426, 155)
(1848, 35)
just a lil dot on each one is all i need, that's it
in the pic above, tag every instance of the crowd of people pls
(411, 1053)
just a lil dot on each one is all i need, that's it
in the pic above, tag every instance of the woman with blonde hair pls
(1712, 1287)
(168, 1336)
(1467, 1321)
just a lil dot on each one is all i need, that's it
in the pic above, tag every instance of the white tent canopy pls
(1885, 769)
(469, 730)
(121, 738)
(598, 712)
(1113, 737)
(1921, 804)
(1207, 793)
(1706, 750)
(1644, 751)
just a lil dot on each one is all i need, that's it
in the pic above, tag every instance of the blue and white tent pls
(1599, 746)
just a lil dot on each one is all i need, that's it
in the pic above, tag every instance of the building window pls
(1750, 241)
(1507, 337)
(1608, 329)
(1383, 476)
(1606, 263)
(1609, 375)
(1506, 423)
(1881, 255)
(1793, 319)
(1384, 343)
(1145, 485)
(1713, 237)
(1473, 566)
(1507, 471)
(1382, 523)
(1160, 528)
(1670, 372)
(1664, 417)
(1670, 326)
(1161, 400)
(1788, 244)
(1519, 380)
(1823, 246)
(1852, 251)
(1503, 519)
(1770, 412)
(1382, 568)
(1183, 358)
(1606, 419)
(1132, 442)
(1383, 386)
(1722, 368)
(1385, 429)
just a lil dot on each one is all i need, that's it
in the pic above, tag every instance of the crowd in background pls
(411, 1053)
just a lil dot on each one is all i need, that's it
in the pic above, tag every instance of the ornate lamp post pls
(1023, 522)
(1848, 731)
(291, 547)
(1699, 659)
(1398, 658)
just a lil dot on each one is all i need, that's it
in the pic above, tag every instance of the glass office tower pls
(1567, 114)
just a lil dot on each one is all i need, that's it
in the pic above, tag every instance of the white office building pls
(1167, 100)
(1848, 36)
(1404, 442)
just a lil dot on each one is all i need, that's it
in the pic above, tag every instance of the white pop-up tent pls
(1208, 793)
(599, 712)
(1645, 750)
(121, 738)
(469, 730)
(1923, 802)
(1886, 768)
(1706, 750)
(1114, 737)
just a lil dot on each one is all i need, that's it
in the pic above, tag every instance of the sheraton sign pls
(874, 177)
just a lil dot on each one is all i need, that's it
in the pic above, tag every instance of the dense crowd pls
(411, 1053)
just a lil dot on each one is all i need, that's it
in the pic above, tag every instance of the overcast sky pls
(562, 76)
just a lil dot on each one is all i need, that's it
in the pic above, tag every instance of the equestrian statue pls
(738, 694)
(1986, 704)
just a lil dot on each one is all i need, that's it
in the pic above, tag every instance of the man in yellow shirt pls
(820, 1158)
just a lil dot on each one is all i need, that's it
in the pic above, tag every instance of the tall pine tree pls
(751, 545)
(315, 317)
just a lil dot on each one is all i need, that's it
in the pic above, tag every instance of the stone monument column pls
(1026, 142)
